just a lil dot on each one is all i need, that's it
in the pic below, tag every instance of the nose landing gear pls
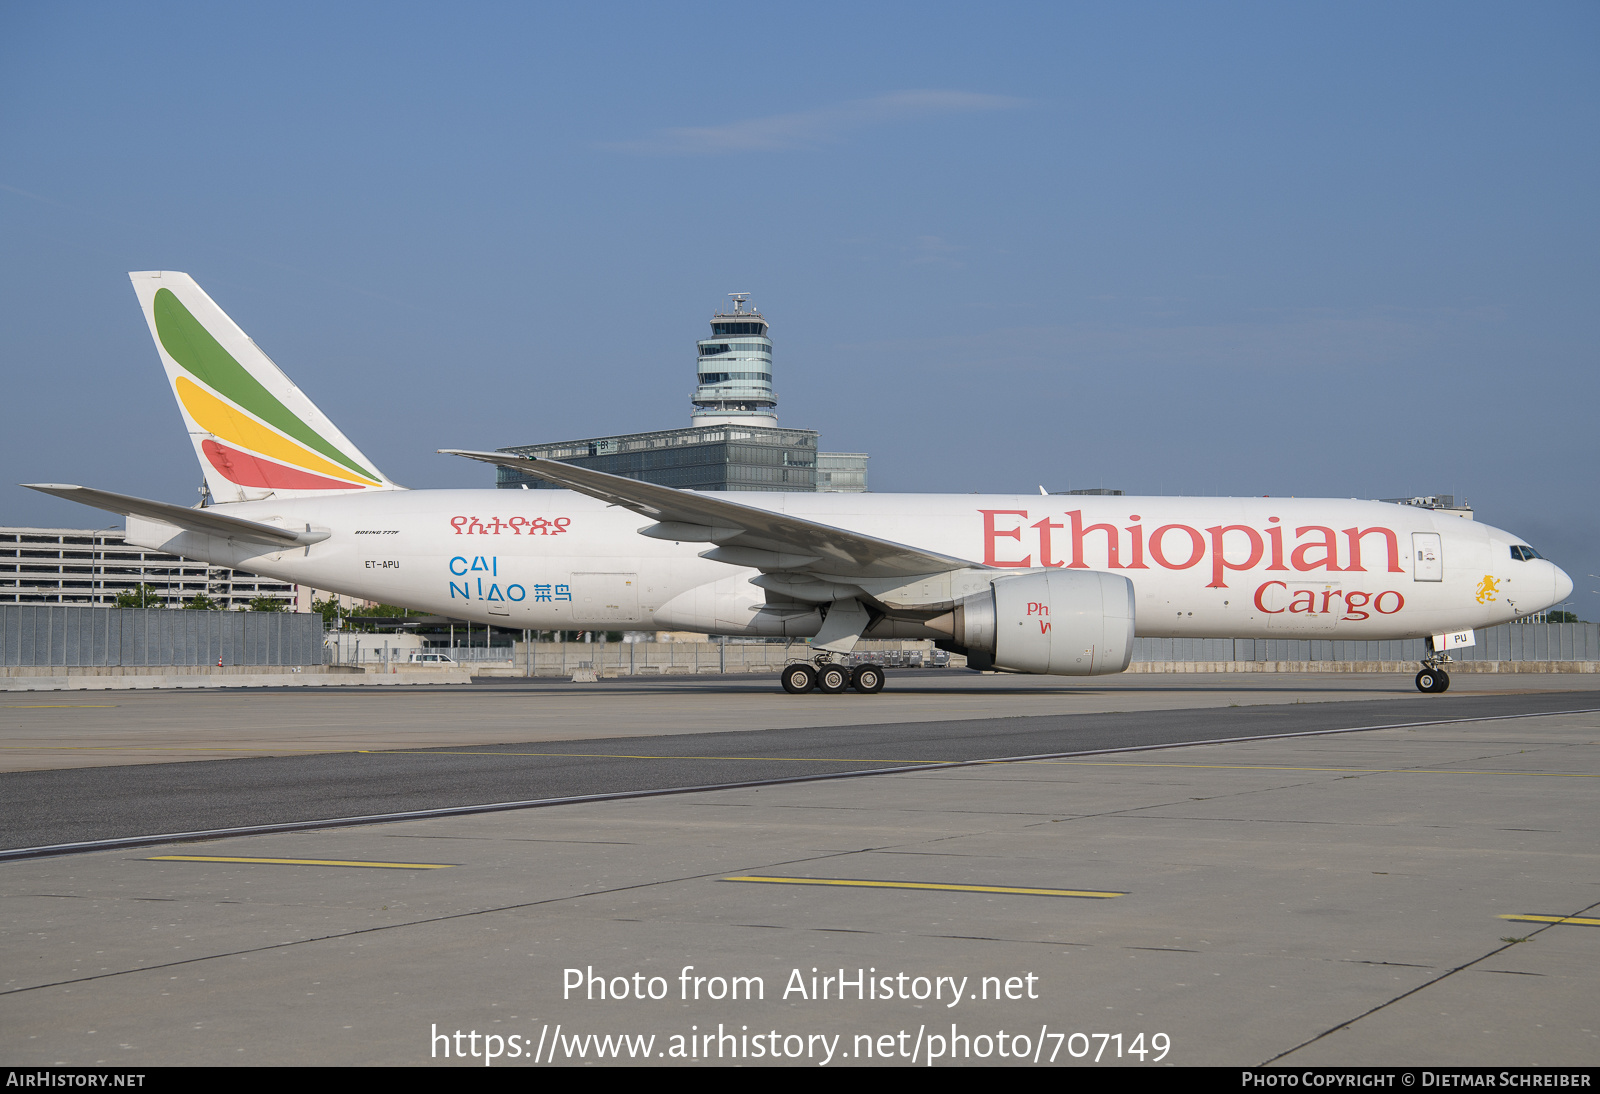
(1433, 680)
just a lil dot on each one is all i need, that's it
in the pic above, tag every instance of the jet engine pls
(1060, 622)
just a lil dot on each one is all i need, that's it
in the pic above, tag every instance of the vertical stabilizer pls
(255, 433)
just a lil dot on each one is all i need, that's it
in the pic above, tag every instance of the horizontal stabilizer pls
(207, 522)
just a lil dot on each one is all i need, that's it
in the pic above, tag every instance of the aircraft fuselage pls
(1227, 567)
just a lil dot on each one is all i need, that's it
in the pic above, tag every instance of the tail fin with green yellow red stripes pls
(255, 433)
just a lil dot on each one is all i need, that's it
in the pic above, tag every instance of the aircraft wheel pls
(832, 679)
(1432, 681)
(867, 679)
(799, 679)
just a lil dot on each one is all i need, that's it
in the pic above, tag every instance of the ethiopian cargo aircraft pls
(1031, 584)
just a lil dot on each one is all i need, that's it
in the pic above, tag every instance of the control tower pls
(735, 373)
(735, 370)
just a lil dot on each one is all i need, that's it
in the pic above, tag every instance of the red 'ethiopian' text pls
(1009, 533)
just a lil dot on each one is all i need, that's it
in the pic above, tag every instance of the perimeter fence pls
(49, 635)
(53, 635)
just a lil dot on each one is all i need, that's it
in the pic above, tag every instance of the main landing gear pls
(832, 679)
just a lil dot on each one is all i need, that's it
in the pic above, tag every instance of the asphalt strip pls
(92, 809)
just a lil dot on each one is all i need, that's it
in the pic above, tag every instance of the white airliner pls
(1033, 584)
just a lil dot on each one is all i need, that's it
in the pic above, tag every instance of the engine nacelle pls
(1059, 622)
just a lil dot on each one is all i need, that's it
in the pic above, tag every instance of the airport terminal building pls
(734, 441)
(91, 567)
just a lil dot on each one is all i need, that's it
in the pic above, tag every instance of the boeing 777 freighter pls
(1031, 584)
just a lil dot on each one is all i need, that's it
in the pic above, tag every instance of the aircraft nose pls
(1563, 584)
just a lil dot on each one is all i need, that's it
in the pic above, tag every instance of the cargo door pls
(605, 597)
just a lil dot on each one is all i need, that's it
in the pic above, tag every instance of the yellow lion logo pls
(1487, 588)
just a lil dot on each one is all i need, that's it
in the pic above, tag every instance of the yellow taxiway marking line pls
(1554, 919)
(306, 862)
(630, 756)
(1352, 770)
(926, 885)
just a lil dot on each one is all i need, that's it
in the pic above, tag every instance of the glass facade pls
(698, 458)
(842, 472)
(711, 349)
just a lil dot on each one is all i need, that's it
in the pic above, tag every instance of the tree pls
(1563, 617)
(265, 603)
(328, 609)
(388, 611)
(200, 602)
(360, 619)
(141, 596)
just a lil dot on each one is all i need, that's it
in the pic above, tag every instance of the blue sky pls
(1341, 250)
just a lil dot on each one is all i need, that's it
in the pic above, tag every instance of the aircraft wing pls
(746, 535)
(205, 521)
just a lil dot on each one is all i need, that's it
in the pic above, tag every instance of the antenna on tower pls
(738, 301)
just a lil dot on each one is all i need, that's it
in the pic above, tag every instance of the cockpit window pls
(1524, 554)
